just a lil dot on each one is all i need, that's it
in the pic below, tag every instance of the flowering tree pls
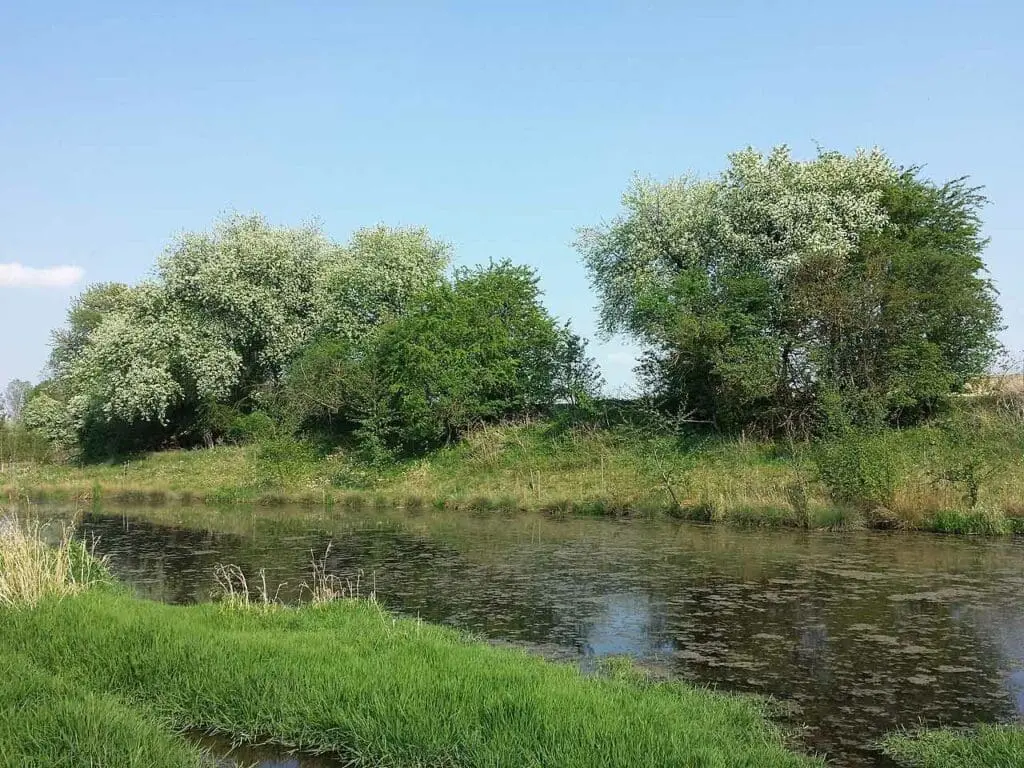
(784, 289)
(225, 313)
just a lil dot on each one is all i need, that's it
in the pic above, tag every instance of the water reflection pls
(856, 633)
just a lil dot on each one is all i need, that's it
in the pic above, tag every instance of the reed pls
(32, 570)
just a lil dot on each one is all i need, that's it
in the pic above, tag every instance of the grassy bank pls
(992, 746)
(94, 676)
(915, 479)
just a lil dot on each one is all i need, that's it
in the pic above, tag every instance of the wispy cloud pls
(15, 275)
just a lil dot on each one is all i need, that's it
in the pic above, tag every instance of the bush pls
(968, 455)
(251, 428)
(20, 444)
(478, 350)
(858, 469)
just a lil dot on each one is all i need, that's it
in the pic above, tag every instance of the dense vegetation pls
(835, 309)
(961, 475)
(800, 296)
(252, 329)
(992, 746)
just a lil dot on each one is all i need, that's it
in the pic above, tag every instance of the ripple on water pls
(855, 634)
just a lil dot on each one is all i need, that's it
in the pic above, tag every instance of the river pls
(854, 633)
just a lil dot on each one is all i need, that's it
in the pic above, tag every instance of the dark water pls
(855, 633)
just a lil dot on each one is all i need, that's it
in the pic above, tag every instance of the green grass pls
(981, 521)
(345, 678)
(584, 470)
(991, 746)
(47, 722)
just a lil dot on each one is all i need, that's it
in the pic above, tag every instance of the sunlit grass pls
(537, 466)
(32, 570)
(103, 678)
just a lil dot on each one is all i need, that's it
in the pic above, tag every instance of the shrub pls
(858, 469)
(480, 349)
(251, 428)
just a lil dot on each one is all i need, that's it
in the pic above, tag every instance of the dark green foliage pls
(478, 349)
(252, 427)
(330, 387)
(879, 327)
(858, 469)
(912, 318)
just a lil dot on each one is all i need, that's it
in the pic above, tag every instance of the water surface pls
(854, 633)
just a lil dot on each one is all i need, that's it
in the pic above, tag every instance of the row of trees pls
(782, 295)
(250, 324)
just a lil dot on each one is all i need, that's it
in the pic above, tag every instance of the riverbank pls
(912, 479)
(110, 679)
(50, 661)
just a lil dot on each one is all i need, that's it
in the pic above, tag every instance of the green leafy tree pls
(794, 294)
(224, 315)
(478, 349)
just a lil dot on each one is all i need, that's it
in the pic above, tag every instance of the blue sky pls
(501, 127)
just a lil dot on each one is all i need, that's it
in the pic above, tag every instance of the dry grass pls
(537, 466)
(324, 587)
(231, 586)
(32, 570)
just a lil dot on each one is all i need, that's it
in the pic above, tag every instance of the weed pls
(31, 570)
(980, 520)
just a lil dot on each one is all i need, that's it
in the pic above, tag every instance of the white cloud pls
(15, 275)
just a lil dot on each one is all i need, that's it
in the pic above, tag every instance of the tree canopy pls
(478, 348)
(792, 294)
(222, 317)
(250, 325)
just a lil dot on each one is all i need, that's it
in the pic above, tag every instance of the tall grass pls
(32, 570)
(47, 721)
(99, 677)
(892, 478)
